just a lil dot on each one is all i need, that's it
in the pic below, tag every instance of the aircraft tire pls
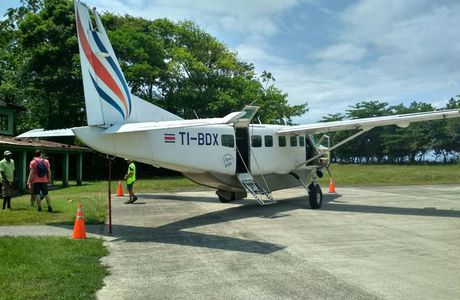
(315, 196)
(224, 200)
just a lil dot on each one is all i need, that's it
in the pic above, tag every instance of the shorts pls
(40, 187)
(7, 189)
(130, 186)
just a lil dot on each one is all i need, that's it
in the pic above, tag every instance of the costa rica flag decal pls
(169, 138)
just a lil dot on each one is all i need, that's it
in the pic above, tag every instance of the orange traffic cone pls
(331, 186)
(119, 189)
(79, 231)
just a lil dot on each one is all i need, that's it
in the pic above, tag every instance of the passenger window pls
(268, 141)
(282, 141)
(256, 141)
(227, 140)
(301, 141)
(293, 141)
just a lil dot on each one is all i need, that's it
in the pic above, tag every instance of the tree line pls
(183, 69)
(425, 141)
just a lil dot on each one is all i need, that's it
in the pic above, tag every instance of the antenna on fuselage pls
(196, 115)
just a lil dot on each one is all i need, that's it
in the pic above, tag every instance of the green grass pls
(93, 196)
(50, 268)
(373, 175)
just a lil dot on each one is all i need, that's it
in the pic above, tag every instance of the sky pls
(331, 54)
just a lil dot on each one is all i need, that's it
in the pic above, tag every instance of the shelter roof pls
(7, 141)
(13, 106)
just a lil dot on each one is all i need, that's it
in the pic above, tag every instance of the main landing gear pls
(229, 197)
(226, 196)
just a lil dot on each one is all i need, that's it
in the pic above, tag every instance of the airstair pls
(251, 186)
(243, 173)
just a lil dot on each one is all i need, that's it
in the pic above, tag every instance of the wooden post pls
(79, 168)
(22, 169)
(65, 169)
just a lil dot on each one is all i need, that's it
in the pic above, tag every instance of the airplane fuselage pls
(211, 155)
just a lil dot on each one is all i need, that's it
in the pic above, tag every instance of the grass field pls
(50, 268)
(93, 195)
(365, 175)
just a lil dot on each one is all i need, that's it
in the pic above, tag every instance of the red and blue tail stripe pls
(106, 97)
(114, 66)
(103, 74)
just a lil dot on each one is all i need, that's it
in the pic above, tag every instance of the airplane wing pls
(144, 126)
(139, 126)
(36, 133)
(368, 123)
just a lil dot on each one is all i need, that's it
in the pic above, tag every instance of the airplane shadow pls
(178, 233)
(406, 211)
(204, 199)
(213, 199)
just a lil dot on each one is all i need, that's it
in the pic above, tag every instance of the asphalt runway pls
(364, 243)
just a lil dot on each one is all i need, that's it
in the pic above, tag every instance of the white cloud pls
(256, 54)
(391, 51)
(341, 52)
(257, 17)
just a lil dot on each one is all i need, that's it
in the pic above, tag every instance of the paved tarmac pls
(364, 243)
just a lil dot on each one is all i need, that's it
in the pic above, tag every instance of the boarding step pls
(251, 186)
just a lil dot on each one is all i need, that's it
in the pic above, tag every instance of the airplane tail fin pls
(108, 99)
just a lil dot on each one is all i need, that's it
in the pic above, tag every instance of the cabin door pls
(243, 139)
(242, 150)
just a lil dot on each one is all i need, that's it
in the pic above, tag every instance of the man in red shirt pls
(39, 177)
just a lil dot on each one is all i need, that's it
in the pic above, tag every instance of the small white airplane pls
(229, 154)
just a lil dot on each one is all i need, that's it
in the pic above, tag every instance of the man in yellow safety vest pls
(130, 178)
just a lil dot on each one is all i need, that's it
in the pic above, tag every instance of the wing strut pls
(335, 146)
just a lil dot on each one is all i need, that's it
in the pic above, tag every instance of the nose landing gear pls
(315, 195)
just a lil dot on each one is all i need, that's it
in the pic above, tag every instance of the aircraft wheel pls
(315, 196)
(225, 200)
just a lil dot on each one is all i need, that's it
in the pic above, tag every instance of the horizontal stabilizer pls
(368, 123)
(144, 126)
(36, 133)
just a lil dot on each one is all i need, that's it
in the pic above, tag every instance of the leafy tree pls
(175, 65)
(11, 58)
(43, 52)
(446, 137)
(369, 143)
(189, 72)
(274, 107)
(408, 143)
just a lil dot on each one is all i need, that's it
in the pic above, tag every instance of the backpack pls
(41, 168)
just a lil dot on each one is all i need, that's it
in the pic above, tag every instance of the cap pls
(7, 152)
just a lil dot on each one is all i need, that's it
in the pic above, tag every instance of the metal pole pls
(110, 194)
